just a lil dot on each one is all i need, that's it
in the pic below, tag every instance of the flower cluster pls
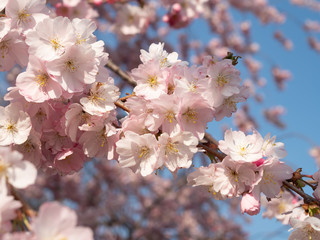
(61, 108)
(171, 106)
(252, 166)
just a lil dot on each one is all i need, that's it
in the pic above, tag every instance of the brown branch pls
(117, 70)
(123, 99)
(120, 105)
(307, 198)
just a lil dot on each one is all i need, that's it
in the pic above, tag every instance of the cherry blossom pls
(176, 150)
(15, 125)
(139, 152)
(240, 147)
(55, 221)
(307, 229)
(19, 173)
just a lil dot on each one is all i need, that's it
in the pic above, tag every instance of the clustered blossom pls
(65, 97)
(171, 106)
(54, 221)
(252, 166)
(62, 110)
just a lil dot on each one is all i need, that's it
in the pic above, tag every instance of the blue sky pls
(301, 99)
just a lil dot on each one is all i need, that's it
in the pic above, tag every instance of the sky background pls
(301, 98)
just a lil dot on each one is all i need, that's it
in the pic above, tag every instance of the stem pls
(120, 105)
(123, 99)
(309, 184)
(306, 197)
(117, 70)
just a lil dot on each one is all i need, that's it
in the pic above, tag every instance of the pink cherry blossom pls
(139, 152)
(101, 98)
(274, 172)
(8, 207)
(50, 38)
(19, 173)
(158, 54)
(75, 68)
(194, 114)
(151, 80)
(25, 14)
(35, 84)
(12, 50)
(241, 147)
(306, 229)
(15, 125)
(55, 221)
(177, 150)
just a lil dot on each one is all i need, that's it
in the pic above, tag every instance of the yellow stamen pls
(152, 81)
(23, 16)
(55, 44)
(170, 116)
(163, 62)
(171, 148)
(71, 65)
(268, 178)
(190, 115)
(144, 152)
(221, 80)
(42, 79)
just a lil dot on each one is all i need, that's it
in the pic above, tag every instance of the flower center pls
(170, 116)
(3, 167)
(190, 115)
(55, 44)
(144, 152)
(268, 178)
(23, 16)
(221, 80)
(42, 79)
(171, 148)
(152, 81)
(71, 66)
(11, 128)
(163, 62)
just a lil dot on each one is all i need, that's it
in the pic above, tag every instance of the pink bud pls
(250, 204)
(176, 7)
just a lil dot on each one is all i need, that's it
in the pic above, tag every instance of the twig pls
(120, 105)
(306, 197)
(117, 70)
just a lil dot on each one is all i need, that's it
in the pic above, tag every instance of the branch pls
(117, 70)
(307, 198)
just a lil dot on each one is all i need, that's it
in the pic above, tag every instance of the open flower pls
(15, 125)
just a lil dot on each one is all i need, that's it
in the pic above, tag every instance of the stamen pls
(152, 81)
(171, 148)
(190, 115)
(221, 80)
(42, 79)
(55, 44)
(23, 16)
(71, 65)
(170, 116)
(144, 152)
